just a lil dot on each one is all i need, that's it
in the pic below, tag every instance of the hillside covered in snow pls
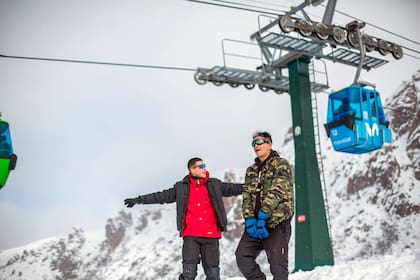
(374, 206)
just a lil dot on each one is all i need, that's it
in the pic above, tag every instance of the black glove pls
(130, 202)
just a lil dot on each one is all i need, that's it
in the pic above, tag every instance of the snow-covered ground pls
(405, 267)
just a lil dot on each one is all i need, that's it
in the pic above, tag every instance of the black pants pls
(195, 249)
(276, 248)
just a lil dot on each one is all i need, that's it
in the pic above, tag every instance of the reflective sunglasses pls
(201, 166)
(258, 142)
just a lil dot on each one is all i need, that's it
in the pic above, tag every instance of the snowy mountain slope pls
(374, 199)
(145, 253)
(374, 205)
(140, 244)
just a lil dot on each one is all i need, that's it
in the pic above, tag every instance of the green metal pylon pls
(312, 241)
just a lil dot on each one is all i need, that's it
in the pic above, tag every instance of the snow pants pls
(276, 248)
(195, 249)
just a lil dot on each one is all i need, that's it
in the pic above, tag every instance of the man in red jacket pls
(201, 217)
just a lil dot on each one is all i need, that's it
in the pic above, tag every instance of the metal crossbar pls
(311, 48)
(234, 77)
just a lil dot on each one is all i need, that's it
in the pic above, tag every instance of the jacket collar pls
(187, 179)
(272, 154)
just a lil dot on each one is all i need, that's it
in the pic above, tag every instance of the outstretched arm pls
(165, 196)
(130, 202)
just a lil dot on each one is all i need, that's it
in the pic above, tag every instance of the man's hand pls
(262, 232)
(130, 202)
(251, 227)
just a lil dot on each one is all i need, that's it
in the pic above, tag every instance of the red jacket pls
(200, 216)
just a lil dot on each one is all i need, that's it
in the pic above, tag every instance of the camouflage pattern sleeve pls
(278, 192)
(248, 194)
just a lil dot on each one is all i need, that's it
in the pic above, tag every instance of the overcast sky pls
(88, 136)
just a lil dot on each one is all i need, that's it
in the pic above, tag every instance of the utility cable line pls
(98, 62)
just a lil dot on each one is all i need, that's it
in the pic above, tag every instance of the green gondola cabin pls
(7, 157)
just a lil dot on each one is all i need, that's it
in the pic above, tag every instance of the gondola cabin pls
(7, 157)
(356, 121)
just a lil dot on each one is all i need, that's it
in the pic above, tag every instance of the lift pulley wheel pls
(304, 27)
(200, 78)
(286, 24)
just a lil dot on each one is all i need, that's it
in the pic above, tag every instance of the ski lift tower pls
(280, 50)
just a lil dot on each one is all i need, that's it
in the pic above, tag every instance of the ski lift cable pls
(378, 27)
(274, 12)
(247, 5)
(270, 11)
(266, 3)
(98, 63)
(371, 24)
(234, 7)
(135, 65)
(416, 57)
(410, 49)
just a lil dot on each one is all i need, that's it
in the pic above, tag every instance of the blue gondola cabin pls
(356, 122)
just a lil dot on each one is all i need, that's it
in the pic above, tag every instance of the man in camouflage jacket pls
(268, 206)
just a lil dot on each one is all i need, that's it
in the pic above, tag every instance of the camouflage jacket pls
(276, 191)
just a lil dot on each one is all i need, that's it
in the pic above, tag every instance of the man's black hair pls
(192, 162)
(263, 134)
